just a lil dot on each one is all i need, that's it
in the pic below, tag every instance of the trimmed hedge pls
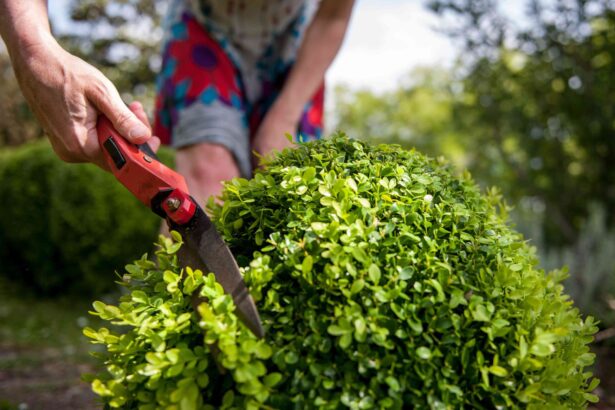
(383, 281)
(63, 227)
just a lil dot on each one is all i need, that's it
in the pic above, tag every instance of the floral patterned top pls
(260, 36)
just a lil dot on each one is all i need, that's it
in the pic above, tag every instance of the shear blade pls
(205, 249)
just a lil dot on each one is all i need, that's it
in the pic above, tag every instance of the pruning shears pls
(165, 192)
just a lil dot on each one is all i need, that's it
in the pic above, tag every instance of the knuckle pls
(102, 91)
(98, 89)
(123, 119)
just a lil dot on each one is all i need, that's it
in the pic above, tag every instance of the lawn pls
(43, 353)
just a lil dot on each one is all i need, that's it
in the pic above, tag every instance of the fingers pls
(154, 143)
(137, 108)
(67, 96)
(132, 126)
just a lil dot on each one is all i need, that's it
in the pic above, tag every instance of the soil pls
(605, 371)
(48, 379)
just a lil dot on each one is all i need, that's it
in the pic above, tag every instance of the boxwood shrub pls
(383, 281)
(62, 226)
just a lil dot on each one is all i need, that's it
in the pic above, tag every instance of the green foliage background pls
(530, 110)
(65, 225)
(17, 123)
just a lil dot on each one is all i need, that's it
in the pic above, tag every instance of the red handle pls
(143, 175)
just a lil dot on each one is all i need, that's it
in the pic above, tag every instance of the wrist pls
(286, 109)
(23, 47)
(24, 26)
(35, 58)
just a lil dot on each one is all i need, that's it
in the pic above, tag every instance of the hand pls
(137, 109)
(67, 95)
(271, 135)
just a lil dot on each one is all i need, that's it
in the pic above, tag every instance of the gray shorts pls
(218, 124)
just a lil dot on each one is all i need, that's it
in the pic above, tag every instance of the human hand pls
(67, 94)
(271, 135)
(137, 109)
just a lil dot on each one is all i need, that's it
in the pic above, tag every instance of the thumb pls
(108, 101)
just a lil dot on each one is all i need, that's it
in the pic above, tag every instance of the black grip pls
(114, 152)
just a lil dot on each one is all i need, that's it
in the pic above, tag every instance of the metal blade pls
(205, 249)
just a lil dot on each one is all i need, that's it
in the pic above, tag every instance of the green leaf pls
(319, 226)
(336, 330)
(100, 388)
(364, 202)
(170, 277)
(360, 255)
(345, 340)
(374, 273)
(272, 379)
(357, 286)
(99, 306)
(498, 371)
(157, 342)
(542, 349)
(324, 191)
(352, 184)
(423, 353)
(480, 313)
(228, 399)
(592, 398)
(174, 370)
(393, 383)
(306, 266)
(309, 174)
(139, 296)
(291, 357)
(263, 351)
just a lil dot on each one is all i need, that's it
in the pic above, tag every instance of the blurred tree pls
(121, 38)
(530, 110)
(540, 103)
(17, 123)
(418, 114)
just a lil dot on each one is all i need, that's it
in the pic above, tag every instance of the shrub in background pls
(382, 281)
(591, 281)
(63, 227)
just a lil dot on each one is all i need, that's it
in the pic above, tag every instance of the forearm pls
(322, 41)
(24, 25)
(65, 93)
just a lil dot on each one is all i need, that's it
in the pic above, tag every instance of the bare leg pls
(205, 166)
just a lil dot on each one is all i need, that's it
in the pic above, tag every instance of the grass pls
(43, 352)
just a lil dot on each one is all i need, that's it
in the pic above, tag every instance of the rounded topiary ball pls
(383, 281)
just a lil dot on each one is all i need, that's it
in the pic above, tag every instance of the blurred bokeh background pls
(521, 94)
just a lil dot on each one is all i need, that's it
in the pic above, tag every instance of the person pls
(237, 75)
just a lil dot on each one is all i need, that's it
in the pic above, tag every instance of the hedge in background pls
(383, 282)
(65, 227)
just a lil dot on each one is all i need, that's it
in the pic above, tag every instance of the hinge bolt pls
(173, 204)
